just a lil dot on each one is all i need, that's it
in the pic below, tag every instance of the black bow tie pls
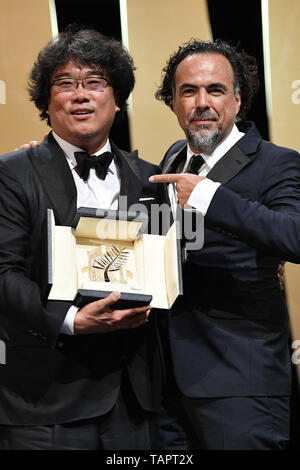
(86, 161)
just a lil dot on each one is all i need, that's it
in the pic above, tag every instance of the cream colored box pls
(106, 250)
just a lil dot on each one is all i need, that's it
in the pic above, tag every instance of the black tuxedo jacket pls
(49, 377)
(229, 334)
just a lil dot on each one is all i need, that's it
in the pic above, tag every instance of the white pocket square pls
(146, 199)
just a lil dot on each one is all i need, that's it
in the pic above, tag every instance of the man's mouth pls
(81, 112)
(203, 117)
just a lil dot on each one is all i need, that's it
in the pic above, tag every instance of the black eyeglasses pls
(89, 83)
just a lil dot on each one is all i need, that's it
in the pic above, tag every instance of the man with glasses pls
(85, 378)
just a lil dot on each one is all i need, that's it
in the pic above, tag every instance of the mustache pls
(204, 115)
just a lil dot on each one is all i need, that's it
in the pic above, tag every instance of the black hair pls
(83, 46)
(244, 67)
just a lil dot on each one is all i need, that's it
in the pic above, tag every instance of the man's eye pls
(216, 91)
(93, 80)
(65, 83)
(188, 91)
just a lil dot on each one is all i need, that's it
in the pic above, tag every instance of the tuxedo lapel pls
(129, 174)
(229, 165)
(225, 169)
(170, 161)
(239, 156)
(50, 163)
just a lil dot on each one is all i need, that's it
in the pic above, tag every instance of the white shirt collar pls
(70, 149)
(233, 136)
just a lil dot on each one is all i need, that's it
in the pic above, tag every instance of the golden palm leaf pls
(112, 260)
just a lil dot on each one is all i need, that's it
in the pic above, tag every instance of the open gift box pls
(105, 251)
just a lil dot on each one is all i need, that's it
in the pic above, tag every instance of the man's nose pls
(202, 99)
(80, 93)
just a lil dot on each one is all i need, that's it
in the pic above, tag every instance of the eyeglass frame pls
(80, 80)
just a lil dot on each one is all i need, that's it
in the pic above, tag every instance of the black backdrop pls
(103, 15)
(226, 23)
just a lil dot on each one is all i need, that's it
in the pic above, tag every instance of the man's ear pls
(173, 104)
(238, 102)
(116, 95)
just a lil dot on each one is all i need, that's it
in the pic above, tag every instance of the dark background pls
(227, 21)
(104, 15)
(231, 20)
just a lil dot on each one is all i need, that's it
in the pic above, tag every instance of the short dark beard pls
(206, 143)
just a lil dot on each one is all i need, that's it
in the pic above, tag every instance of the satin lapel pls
(50, 163)
(229, 165)
(168, 165)
(225, 169)
(129, 174)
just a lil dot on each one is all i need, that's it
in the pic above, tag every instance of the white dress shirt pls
(204, 191)
(91, 193)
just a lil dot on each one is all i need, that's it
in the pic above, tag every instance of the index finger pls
(166, 178)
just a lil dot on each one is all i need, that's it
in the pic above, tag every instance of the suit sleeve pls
(271, 224)
(20, 295)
